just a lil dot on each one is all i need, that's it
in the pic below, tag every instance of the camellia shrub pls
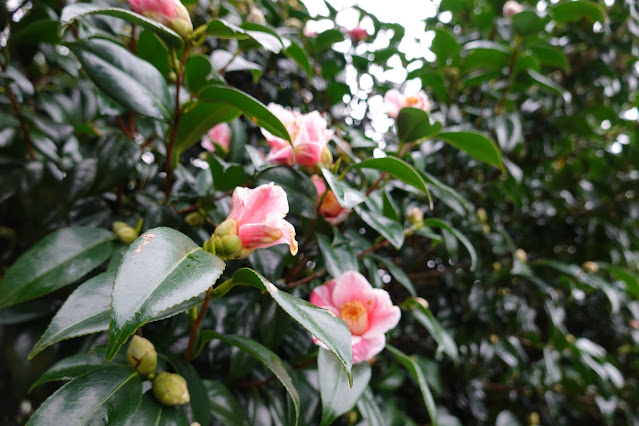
(237, 212)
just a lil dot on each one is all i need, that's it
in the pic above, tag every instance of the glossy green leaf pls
(224, 406)
(226, 176)
(254, 110)
(476, 144)
(300, 191)
(548, 84)
(443, 338)
(399, 169)
(264, 36)
(77, 10)
(161, 269)
(151, 412)
(550, 55)
(86, 311)
(459, 235)
(110, 394)
(445, 47)
(322, 324)
(630, 279)
(391, 230)
(265, 356)
(398, 273)
(569, 11)
(416, 371)
(447, 195)
(347, 196)
(414, 124)
(338, 396)
(131, 81)
(57, 260)
(220, 28)
(69, 368)
(196, 72)
(369, 409)
(528, 22)
(299, 55)
(338, 256)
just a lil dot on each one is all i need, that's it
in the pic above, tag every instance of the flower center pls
(412, 100)
(355, 316)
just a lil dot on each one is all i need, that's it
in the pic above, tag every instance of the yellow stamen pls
(355, 316)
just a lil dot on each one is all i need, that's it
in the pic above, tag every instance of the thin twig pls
(195, 326)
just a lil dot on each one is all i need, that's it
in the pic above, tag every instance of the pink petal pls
(258, 235)
(283, 155)
(263, 203)
(308, 154)
(322, 296)
(238, 202)
(353, 286)
(320, 186)
(288, 237)
(365, 348)
(384, 316)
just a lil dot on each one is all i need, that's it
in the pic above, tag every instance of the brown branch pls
(195, 326)
(376, 183)
(176, 122)
(189, 209)
(304, 280)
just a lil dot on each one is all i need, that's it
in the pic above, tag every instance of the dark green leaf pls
(398, 273)
(224, 406)
(528, 22)
(226, 176)
(161, 269)
(416, 371)
(388, 228)
(569, 11)
(338, 257)
(322, 324)
(414, 124)
(460, 236)
(129, 80)
(299, 55)
(196, 72)
(369, 409)
(86, 311)
(110, 394)
(265, 356)
(426, 318)
(77, 10)
(199, 397)
(57, 260)
(69, 368)
(476, 144)
(151, 412)
(446, 48)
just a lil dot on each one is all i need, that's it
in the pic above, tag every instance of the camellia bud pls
(194, 219)
(326, 159)
(482, 216)
(228, 246)
(170, 389)
(416, 216)
(423, 302)
(124, 232)
(171, 13)
(511, 7)
(256, 16)
(142, 355)
(591, 267)
(533, 418)
(521, 255)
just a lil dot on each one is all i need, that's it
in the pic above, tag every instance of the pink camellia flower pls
(511, 7)
(357, 34)
(396, 101)
(368, 311)
(330, 208)
(257, 219)
(309, 133)
(171, 13)
(218, 135)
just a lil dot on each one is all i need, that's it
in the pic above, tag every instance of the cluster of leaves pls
(103, 111)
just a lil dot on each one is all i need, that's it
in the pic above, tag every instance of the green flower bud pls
(124, 232)
(416, 216)
(142, 355)
(170, 389)
(591, 267)
(326, 158)
(521, 255)
(194, 219)
(228, 246)
(482, 216)
(228, 227)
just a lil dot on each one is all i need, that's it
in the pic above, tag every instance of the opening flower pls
(309, 134)
(256, 221)
(219, 135)
(368, 312)
(329, 208)
(395, 101)
(171, 13)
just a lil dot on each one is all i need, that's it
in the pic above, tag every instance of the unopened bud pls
(170, 389)
(482, 216)
(142, 355)
(351, 417)
(326, 158)
(228, 246)
(533, 418)
(124, 232)
(591, 267)
(570, 338)
(416, 216)
(497, 266)
(256, 16)
(485, 228)
(511, 7)
(194, 219)
(521, 255)
(493, 338)
(228, 227)
(422, 302)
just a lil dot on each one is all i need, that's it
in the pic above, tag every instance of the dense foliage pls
(498, 213)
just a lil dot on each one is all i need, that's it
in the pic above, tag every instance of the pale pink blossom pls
(395, 101)
(357, 34)
(329, 208)
(218, 135)
(368, 312)
(308, 32)
(257, 218)
(171, 13)
(511, 7)
(309, 134)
